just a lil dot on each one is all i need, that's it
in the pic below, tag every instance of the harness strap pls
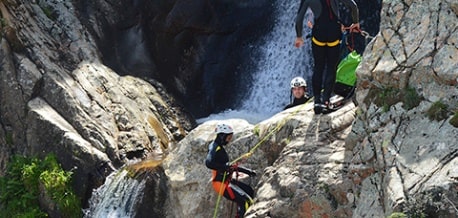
(329, 44)
(221, 186)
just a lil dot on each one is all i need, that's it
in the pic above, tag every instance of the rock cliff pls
(56, 95)
(64, 88)
(395, 152)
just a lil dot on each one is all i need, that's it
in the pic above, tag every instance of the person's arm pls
(247, 171)
(354, 14)
(300, 18)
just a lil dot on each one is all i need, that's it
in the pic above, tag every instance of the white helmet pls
(223, 128)
(298, 82)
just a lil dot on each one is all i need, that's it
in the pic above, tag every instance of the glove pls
(231, 166)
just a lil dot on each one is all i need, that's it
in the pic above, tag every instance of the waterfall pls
(278, 63)
(117, 197)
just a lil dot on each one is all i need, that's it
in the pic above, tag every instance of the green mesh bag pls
(346, 69)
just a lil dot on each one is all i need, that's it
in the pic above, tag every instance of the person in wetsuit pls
(298, 90)
(326, 35)
(222, 170)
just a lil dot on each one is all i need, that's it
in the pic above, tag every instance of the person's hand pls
(310, 24)
(246, 155)
(230, 166)
(355, 28)
(299, 42)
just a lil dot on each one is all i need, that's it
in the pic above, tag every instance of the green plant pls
(19, 188)
(9, 138)
(387, 97)
(438, 111)
(397, 215)
(48, 12)
(411, 98)
(454, 120)
(256, 130)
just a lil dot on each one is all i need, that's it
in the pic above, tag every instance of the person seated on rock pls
(298, 91)
(218, 160)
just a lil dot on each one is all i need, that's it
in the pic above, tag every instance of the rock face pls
(57, 96)
(390, 154)
(300, 158)
(403, 159)
(196, 48)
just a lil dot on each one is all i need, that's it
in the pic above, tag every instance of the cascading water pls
(269, 92)
(117, 197)
(278, 63)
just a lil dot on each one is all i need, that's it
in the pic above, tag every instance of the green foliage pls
(3, 22)
(385, 98)
(19, 188)
(411, 98)
(9, 138)
(438, 111)
(48, 12)
(454, 120)
(397, 215)
(256, 130)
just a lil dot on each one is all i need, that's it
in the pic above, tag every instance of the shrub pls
(19, 188)
(385, 98)
(411, 98)
(438, 111)
(397, 215)
(454, 120)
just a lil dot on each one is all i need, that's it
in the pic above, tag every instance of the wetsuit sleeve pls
(245, 170)
(354, 9)
(300, 18)
(211, 160)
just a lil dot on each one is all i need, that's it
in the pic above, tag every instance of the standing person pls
(222, 170)
(326, 34)
(299, 92)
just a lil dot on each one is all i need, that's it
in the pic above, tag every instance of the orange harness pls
(220, 187)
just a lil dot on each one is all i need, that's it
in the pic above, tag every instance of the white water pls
(279, 62)
(116, 197)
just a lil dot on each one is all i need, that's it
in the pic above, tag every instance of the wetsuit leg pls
(332, 58)
(245, 187)
(242, 198)
(319, 57)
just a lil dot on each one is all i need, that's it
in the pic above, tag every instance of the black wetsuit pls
(234, 190)
(326, 33)
(297, 101)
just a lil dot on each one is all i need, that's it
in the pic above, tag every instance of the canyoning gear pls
(224, 185)
(316, 6)
(298, 82)
(346, 75)
(324, 75)
(298, 101)
(223, 128)
(326, 36)
(298, 96)
(329, 44)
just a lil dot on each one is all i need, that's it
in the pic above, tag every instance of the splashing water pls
(278, 63)
(281, 61)
(117, 197)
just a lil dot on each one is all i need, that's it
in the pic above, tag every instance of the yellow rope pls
(274, 130)
(219, 196)
(248, 154)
